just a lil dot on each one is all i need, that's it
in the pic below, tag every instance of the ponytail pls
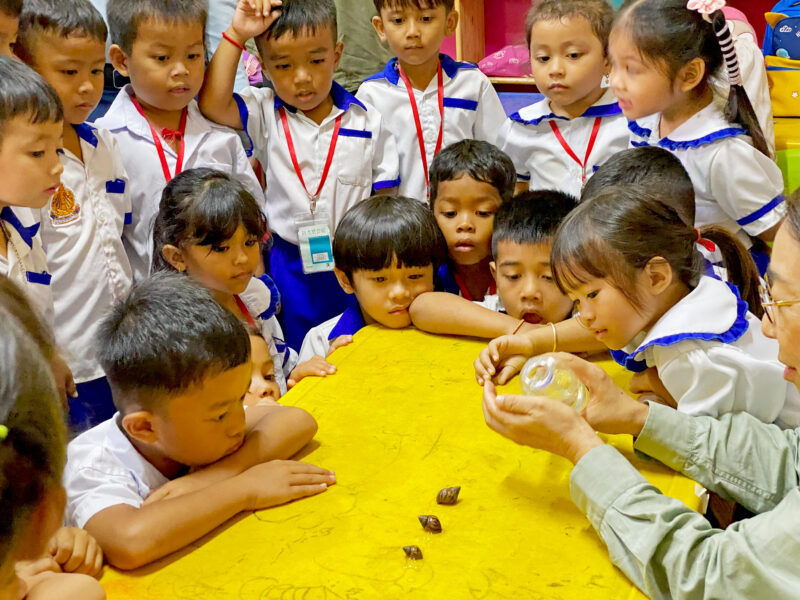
(738, 109)
(738, 262)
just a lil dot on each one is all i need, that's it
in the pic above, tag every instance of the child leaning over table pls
(179, 366)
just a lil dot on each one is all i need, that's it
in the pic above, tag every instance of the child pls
(386, 250)
(558, 142)
(264, 388)
(323, 150)
(630, 263)
(82, 225)
(9, 20)
(523, 233)
(159, 129)
(179, 365)
(32, 440)
(469, 181)
(663, 54)
(210, 227)
(447, 101)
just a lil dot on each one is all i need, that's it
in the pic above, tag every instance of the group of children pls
(183, 289)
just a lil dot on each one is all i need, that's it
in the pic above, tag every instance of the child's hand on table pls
(75, 551)
(316, 366)
(280, 481)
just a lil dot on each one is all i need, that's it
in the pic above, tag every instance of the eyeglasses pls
(770, 305)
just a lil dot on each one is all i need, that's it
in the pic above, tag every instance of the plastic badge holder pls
(546, 376)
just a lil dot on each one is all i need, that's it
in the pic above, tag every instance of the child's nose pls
(301, 74)
(398, 291)
(57, 167)
(531, 289)
(556, 66)
(465, 224)
(180, 69)
(614, 80)
(412, 30)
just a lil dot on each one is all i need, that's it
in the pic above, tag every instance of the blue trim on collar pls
(446, 281)
(342, 99)
(637, 129)
(349, 323)
(673, 145)
(737, 330)
(392, 75)
(86, 133)
(244, 116)
(26, 233)
(757, 214)
(521, 177)
(383, 185)
(274, 297)
(601, 110)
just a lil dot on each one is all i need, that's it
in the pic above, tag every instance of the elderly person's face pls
(784, 278)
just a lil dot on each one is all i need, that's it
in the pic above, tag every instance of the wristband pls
(233, 41)
(516, 329)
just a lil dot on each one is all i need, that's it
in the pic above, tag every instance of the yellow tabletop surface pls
(400, 420)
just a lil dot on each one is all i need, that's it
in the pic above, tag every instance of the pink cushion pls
(510, 61)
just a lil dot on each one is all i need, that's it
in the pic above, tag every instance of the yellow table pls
(400, 420)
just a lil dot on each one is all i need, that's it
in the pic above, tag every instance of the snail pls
(413, 552)
(430, 523)
(448, 495)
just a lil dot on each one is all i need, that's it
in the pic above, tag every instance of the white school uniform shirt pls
(318, 339)
(539, 158)
(472, 110)
(365, 156)
(735, 185)
(262, 299)
(81, 231)
(207, 145)
(492, 302)
(25, 263)
(103, 470)
(713, 358)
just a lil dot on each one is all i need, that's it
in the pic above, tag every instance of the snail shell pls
(413, 552)
(430, 523)
(448, 495)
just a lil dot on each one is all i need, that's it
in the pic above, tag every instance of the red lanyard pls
(160, 147)
(569, 151)
(462, 287)
(244, 310)
(287, 132)
(415, 110)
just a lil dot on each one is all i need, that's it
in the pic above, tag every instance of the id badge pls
(314, 240)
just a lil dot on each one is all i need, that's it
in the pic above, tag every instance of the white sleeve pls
(509, 140)
(242, 170)
(251, 103)
(315, 343)
(491, 113)
(747, 185)
(90, 491)
(385, 160)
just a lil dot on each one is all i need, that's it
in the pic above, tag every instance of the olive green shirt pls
(364, 54)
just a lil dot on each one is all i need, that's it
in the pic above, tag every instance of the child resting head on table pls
(524, 229)
(264, 388)
(179, 367)
(386, 250)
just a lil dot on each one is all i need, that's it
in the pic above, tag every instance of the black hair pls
(381, 228)
(167, 336)
(12, 8)
(126, 16)
(420, 4)
(598, 12)
(23, 93)
(303, 16)
(480, 160)
(531, 217)
(33, 453)
(653, 167)
(617, 232)
(203, 207)
(669, 35)
(64, 18)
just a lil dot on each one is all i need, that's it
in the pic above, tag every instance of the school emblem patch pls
(63, 208)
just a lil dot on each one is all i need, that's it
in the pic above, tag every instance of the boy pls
(524, 229)
(159, 129)
(447, 101)
(324, 151)
(386, 250)
(264, 389)
(9, 16)
(469, 181)
(558, 142)
(82, 225)
(179, 365)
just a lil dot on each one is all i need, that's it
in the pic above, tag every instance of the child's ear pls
(344, 281)
(451, 23)
(174, 256)
(377, 23)
(658, 275)
(118, 58)
(493, 269)
(139, 426)
(337, 54)
(691, 74)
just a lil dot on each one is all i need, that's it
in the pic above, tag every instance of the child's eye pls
(547, 278)
(574, 55)
(542, 59)
(194, 56)
(512, 277)
(379, 279)
(485, 213)
(269, 377)
(251, 242)
(97, 71)
(37, 154)
(397, 21)
(592, 295)
(70, 71)
(426, 19)
(449, 214)
(282, 67)
(222, 416)
(161, 58)
(317, 61)
(416, 276)
(219, 248)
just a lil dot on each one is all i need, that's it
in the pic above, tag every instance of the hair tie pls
(712, 12)
(3, 432)
(699, 235)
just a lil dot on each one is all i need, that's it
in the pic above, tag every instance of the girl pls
(663, 53)
(211, 228)
(32, 455)
(632, 266)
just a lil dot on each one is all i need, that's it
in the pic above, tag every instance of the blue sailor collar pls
(713, 311)
(704, 127)
(534, 114)
(261, 297)
(446, 281)
(86, 133)
(392, 74)
(342, 99)
(349, 323)
(26, 233)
